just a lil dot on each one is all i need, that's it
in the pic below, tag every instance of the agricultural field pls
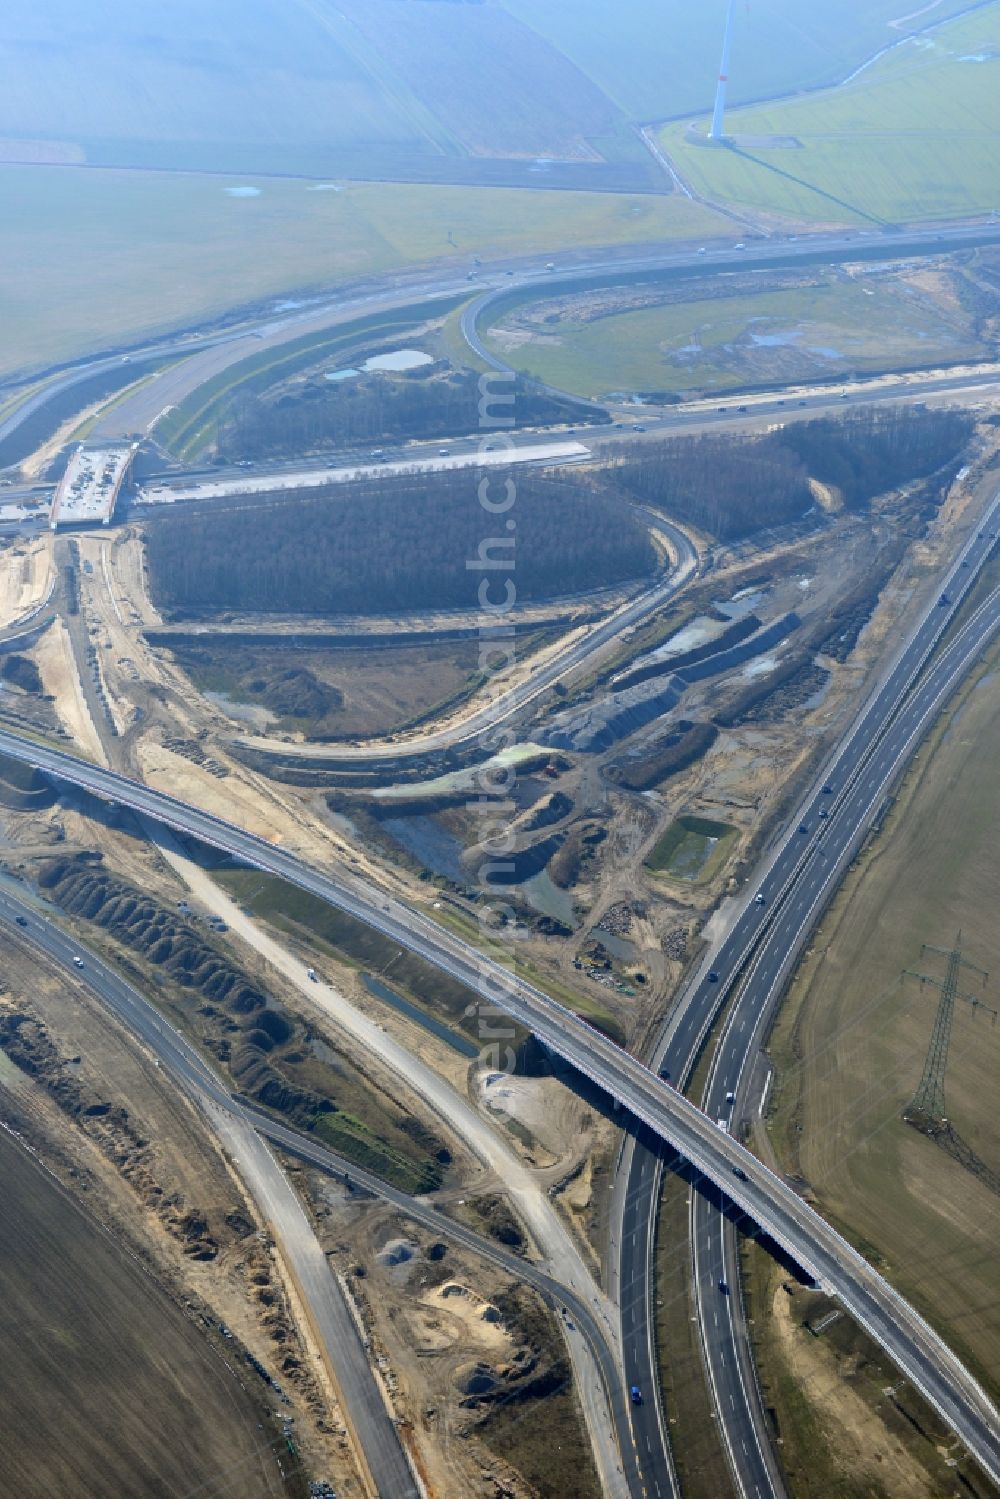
(318, 87)
(731, 333)
(913, 137)
(107, 1387)
(633, 48)
(93, 258)
(197, 87)
(850, 1045)
(496, 86)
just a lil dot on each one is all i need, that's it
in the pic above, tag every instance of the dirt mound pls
(28, 1044)
(240, 1024)
(267, 1051)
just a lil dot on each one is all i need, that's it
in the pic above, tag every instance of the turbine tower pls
(718, 115)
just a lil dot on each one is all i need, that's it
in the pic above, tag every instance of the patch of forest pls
(732, 485)
(20, 671)
(320, 414)
(422, 541)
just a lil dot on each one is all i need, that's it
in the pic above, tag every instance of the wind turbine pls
(718, 115)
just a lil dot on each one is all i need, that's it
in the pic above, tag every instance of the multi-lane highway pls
(665, 1115)
(776, 915)
(234, 1121)
(375, 1436)
(769, 1201)
(196, 358)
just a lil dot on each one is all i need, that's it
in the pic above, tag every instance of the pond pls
(398, 360)
(545, 896)
(432, 846)
(437, 1028)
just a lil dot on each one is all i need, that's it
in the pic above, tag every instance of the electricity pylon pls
(927, 1106)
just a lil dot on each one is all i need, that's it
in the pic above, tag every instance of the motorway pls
(199, 357)
(375, 1435)
(767, 1200)
(237, 1124)
(797, 881)
(847, 247)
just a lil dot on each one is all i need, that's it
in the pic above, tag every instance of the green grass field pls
(914, 137)
(293, 86)
(808, 332)
(692, 849)
(94, 257)
(659, 58)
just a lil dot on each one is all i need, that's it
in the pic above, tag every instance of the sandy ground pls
(179, 1168)
(25, 579)
(54, 657)
(464, 1314)
(884, 1460)
(37, 462)
(546, 1228)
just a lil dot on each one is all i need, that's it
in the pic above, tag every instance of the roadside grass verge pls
(189, 427)
(847, 1426)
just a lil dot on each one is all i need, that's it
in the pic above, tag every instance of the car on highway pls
(803, 827)
(78, 961)
(724, 1287)
(823, 812)
(759, 898)
(21, 920)
(702, 250)
(635, 1394)
(828, 789)
(944, 601)
(740, 1174)
(713, 977)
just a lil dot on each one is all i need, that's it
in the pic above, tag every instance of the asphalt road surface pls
(796, 884)
(332, 1324)
(807, 1238)
(211, 352)
(234, 1121)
